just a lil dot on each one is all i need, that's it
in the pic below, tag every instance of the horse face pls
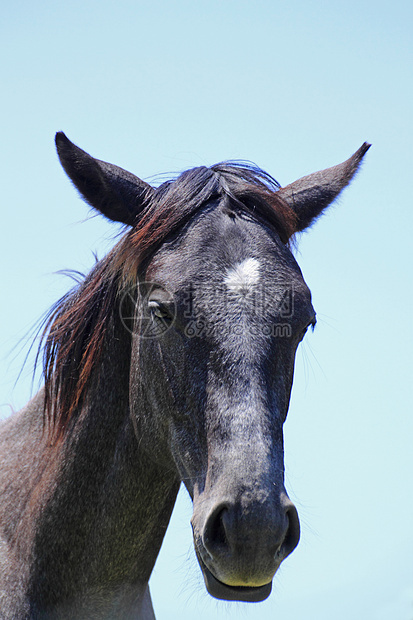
(228, 306)
(214, 338)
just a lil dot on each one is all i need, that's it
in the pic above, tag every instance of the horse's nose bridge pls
(246, 456)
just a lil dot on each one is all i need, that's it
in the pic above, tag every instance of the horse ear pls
(116, 193)
(310, 195)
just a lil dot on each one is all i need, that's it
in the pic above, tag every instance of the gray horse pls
(171, 361)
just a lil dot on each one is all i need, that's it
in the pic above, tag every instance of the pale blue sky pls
(298, 86)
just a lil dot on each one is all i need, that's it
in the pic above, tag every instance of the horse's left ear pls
(116, 193)
(310, 195)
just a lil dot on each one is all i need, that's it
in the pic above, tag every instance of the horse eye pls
(158, 310)
(311, 324)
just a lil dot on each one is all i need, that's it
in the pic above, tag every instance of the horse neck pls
(106, 516)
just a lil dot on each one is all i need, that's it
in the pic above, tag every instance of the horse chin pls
(245, 594)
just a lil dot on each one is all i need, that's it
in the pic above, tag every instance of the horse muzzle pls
(240, 548)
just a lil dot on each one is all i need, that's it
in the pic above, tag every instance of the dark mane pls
(77, 325)
(72, 341)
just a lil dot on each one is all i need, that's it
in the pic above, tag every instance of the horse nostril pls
(214, 534)
(292, 535)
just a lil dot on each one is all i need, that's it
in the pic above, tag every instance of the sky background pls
(161, 86)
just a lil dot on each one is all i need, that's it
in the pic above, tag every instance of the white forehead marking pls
(242, 277)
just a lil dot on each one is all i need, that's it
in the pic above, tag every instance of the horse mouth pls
(245, 594)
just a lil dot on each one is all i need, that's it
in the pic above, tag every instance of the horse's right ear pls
(116, 193)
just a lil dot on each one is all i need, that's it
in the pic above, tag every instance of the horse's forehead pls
(236, 257)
